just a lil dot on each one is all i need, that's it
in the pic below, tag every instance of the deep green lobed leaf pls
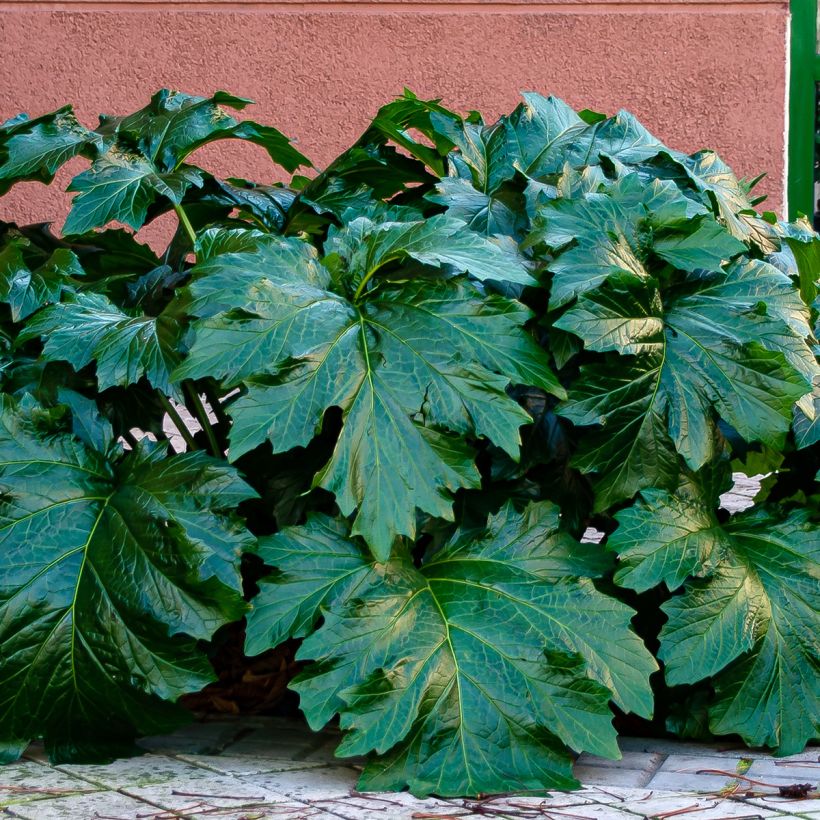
(124, 346)
(33, 149)
(417, 367)
(749, 623)
(113, 568)
(453, 701)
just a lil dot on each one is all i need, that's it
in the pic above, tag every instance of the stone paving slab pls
(30, 780)
(83, 807)
(273, 769)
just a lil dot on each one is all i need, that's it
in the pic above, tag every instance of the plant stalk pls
(202, 417)
(216, 406)
(186, 224)
(367, 277)
(129, 437)
(177, 420)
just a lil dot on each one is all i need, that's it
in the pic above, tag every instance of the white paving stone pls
(721, 750)
(279, 742)
(212, 790)
(244, 765)
(687, 783)
(608, 776)
(613, 794)
(796, 771)
(628, 760)
(699, 774)
(694, 763)
(328, 782)
(401, 806)
(275, 769)
(137, 771)
(558, 800)
(787, 806)
(84, 807)
(26, 780)
(593, 811)
(208, 737)
(662, 803)
(725, 809)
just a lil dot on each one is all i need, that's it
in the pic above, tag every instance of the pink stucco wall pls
(698, 74)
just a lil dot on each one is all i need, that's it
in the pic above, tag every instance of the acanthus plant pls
(416, 378)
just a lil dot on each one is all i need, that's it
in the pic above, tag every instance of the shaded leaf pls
(417, 367)
(715, 355)
(25, 289)
(367, 246)
(125, 347)
(120, 187)
(33, 149)
(130, 562)
(749, 624)
(174, 124)
(664, 539)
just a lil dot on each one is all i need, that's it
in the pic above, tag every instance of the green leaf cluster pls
(375, 408)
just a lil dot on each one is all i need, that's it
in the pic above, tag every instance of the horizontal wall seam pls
(393, 6)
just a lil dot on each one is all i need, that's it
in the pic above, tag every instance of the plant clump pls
(374, 410)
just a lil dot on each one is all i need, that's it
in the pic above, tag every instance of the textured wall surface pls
(698, 74)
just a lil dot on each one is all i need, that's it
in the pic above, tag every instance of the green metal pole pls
(803, 68)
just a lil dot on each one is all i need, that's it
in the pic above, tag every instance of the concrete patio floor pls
(273, 769)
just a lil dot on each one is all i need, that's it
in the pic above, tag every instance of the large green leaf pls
(35, 149)
(733, 343)
(684, 539)
(319, 564)
(113, 569)
(456, 702)
(621, 230)
(174, 124)
(708, 246)
(124, 346)
(25, 289)
(482, 152)
(749, 624)
(141, 157)
(477, 189)
(264, 205)
(398, 120)
(804, 245)
(540, 131)
(121, 186)
(496, 214)
(417, 367)
(806, 422)
(709, 174)
(112, 259)
(545, 134)
(372, 168)
(367, 245)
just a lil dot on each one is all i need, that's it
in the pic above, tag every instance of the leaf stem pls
(369, 275)
(177, 420)
(202, 417)
(216, 406)
(186, 223)
(364, 281)
(129, 437)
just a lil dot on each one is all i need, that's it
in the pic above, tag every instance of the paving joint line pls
(244, 778)
(651, 770)
(140, 799)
